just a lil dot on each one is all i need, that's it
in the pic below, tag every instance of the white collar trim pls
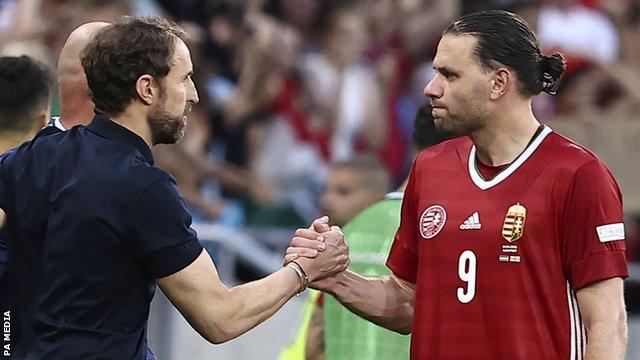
(57, 123)
(483, 184)
(396, 195)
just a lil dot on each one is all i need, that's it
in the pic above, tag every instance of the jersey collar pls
(484, 184)
(396, 195)
(111, 130)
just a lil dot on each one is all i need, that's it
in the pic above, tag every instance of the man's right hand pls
(332, 260)
(320, 250)
(308, 242)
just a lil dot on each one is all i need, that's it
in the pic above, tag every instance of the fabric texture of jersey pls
(91, 223)
(348, 336)
(497, 262)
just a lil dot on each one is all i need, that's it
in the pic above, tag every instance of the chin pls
(168, 139)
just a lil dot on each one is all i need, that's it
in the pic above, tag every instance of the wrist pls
(337, 282)
(303, 280)
(307, 268)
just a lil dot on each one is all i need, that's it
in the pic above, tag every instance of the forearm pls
(607, 340)
(605, 318)
(381, 300)
(218, 313)
(250, 304)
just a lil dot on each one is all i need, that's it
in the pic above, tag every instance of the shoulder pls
(573, 162)
(455, 149)
(568, 154)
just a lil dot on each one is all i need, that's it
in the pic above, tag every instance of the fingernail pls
(320, 238)
(321, 246)
(314, 252)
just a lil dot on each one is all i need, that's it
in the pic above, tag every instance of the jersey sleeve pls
(162, 236)
(592, 230)
(403, 256)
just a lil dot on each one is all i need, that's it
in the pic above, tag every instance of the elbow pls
(219, 330)
(218, 339)
(219, 335)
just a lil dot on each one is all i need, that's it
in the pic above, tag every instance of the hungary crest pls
(513, 227)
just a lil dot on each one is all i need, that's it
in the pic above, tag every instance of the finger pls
(306, 243)
(321, 224)
(290, 257)
(337, 228)
(301, 251)
(309, 234)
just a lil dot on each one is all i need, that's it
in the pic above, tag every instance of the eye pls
(449, 75)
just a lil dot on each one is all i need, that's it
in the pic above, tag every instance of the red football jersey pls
(496, 263)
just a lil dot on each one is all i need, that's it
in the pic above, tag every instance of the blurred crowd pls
(289, 88)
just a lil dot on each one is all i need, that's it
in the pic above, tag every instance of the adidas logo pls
(472, 223)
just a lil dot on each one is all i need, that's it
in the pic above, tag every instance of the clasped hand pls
(321, 250)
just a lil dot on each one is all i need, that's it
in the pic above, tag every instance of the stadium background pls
(288, 87)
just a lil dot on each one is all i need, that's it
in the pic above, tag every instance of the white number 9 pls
(467, 273)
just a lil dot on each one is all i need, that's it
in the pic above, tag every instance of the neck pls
(131, 119)
(506, 135)
(80, 115)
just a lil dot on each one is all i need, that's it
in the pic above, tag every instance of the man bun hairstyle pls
(505, 39)
(551, 69)
(120, 53)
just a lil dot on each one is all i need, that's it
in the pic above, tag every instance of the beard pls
(455, 127)
(166, 128)
(460, 124)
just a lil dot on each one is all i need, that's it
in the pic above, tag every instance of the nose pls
(432, 89)
(192, 96)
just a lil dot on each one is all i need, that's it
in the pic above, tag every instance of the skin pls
(159, 113)
(177, 96)
(486, 106)
(76, 106)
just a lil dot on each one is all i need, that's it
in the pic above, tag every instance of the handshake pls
(321, 251)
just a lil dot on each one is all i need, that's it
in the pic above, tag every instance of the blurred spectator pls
(22, 29)
(344, 88)
(579, 32)
(25, 93)
(353, 185)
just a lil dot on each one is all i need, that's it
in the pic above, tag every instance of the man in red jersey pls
(511, 239)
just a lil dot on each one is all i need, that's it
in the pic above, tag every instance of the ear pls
(501, 82)
(147, 89)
